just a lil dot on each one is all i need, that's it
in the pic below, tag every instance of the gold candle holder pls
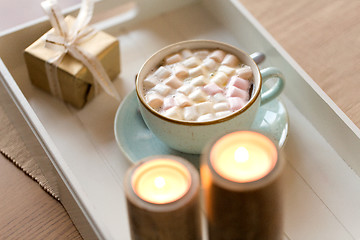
(240, 174)
(162, 194)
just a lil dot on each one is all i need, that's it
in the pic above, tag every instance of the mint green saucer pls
(137, 142)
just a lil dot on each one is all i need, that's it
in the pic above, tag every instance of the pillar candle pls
(240, 174)
(162, 194)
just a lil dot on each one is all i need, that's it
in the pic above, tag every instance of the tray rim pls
(51, 149)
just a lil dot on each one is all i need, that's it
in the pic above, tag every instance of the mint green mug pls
(192, 137)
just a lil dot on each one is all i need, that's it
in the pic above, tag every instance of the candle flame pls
(241, 155)
(159, 182)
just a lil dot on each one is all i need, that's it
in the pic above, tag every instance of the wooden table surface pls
(322, 36)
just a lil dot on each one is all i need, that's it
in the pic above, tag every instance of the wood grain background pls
(323, 36)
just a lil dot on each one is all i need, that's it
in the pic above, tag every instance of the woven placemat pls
(14, 149)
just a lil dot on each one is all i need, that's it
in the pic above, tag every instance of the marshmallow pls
(173, 59)
(154, 100)
(230, 60)
(210, 64)
(186, 53)
(239, 83)
(198, 85)
(206, 117)
(227, 70)
(169, 102)
(191, 62)
(221, 106)
(174, 112)
(162, 73)
(237, 92)
(198, 95)
(182, 100)
(235, 103)
(173, 82)
(201, 54)
(212, 88)
(162, 89)
(185, 89)
(190, 113)
(197, 71)
(199, 81)
(150, 82)
(219, 97)
(222, 114)
(181, 72)
(204, 107)
(244, 72)
(217, 55)
(220, 79)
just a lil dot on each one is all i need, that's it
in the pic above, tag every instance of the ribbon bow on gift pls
(66, 40)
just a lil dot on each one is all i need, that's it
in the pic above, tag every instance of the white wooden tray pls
(79, 155)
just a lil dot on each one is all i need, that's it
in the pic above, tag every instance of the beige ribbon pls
(64, 40)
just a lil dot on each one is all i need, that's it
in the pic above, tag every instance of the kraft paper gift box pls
(75, 80)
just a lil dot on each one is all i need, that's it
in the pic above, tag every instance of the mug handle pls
(276, 89)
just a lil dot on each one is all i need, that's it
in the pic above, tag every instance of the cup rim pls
(218, 44)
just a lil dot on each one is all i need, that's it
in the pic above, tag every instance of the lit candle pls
(162, 194)
(240, 174)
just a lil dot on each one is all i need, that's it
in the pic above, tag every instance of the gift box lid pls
(99, 44)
